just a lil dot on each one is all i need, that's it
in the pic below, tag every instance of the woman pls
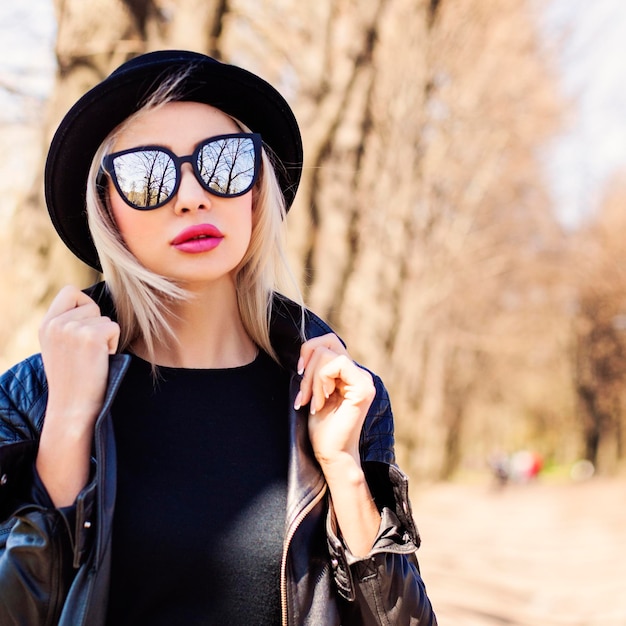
(191, 446)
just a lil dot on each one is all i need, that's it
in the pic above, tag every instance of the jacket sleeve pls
(36, 543)
(383, 588)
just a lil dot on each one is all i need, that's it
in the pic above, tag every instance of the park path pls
(540, 554)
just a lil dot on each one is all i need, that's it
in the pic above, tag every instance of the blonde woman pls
(191, 446)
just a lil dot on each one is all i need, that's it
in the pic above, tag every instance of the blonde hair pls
(144, 300)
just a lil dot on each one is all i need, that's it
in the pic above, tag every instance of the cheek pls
(131, 224)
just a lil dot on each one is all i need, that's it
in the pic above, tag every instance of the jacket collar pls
(286, 322)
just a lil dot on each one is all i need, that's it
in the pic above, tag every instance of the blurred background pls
(460, 223)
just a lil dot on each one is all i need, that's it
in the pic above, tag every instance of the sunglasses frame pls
(108, 167)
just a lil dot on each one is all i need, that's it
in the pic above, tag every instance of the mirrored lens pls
(226, 165)
(145, 177)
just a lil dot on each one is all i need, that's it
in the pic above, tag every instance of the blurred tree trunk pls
(599, 332)
(421, 196)
(422, 205)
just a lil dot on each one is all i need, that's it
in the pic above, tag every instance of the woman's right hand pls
(76, 341)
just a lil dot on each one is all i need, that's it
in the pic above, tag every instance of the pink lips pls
(199, 238)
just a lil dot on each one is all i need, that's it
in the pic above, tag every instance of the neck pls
(209, 332)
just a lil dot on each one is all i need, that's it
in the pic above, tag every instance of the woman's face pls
(197, 237)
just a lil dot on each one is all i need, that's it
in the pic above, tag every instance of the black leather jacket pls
(55, 563)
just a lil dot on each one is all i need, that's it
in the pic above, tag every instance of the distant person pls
(500, 467)
(191, 447)
(526, 466)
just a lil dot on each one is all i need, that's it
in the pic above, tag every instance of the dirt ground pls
(543, 553)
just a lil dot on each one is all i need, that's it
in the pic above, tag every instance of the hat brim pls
(229, 88)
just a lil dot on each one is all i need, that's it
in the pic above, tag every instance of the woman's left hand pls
(340, 394)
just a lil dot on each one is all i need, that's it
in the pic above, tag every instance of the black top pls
(200, 510)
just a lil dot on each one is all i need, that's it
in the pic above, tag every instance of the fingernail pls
(312, 410)
(297, 403)
(300, 366)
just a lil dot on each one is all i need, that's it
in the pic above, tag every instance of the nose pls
(191, 195)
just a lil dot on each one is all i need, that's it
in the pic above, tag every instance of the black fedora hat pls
(229, 88)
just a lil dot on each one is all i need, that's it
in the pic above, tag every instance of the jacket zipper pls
(283, 565)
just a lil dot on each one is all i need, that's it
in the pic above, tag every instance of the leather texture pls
(55, 563)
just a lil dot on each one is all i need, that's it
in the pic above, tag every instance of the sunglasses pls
(148, 177)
